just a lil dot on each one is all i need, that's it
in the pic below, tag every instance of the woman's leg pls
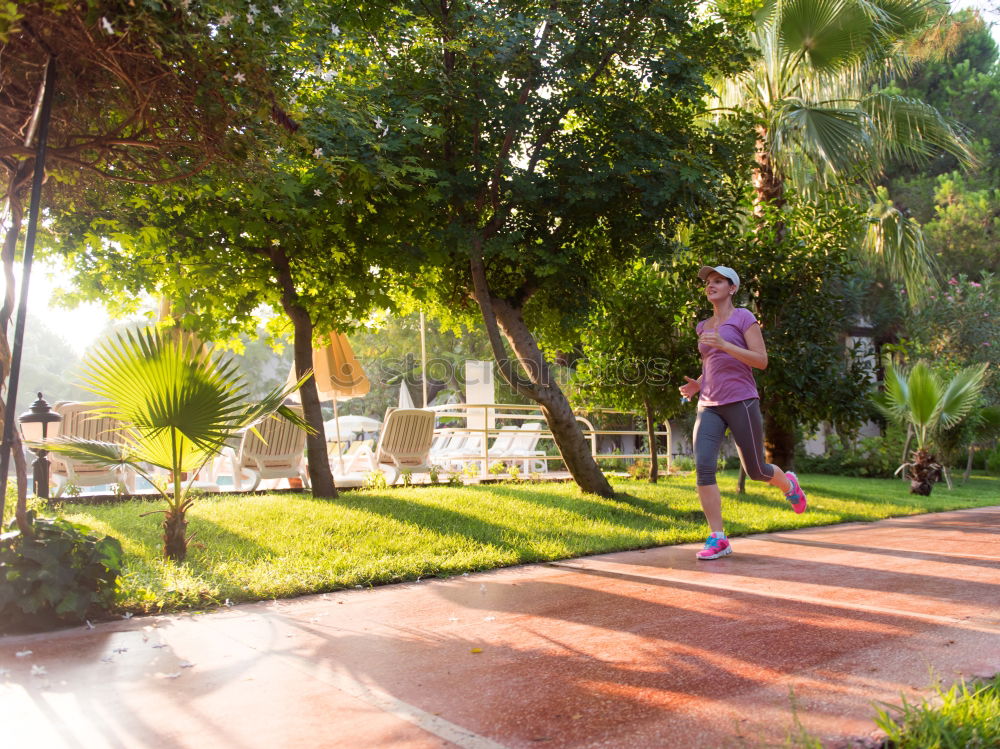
(748, 431)
(747, 428)
(711, 505)
(709, 429)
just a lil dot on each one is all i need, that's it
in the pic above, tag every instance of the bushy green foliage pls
(60, 573)
(956, 327)
(178, 405)
(684, 463)
(968, 717)
(376, 481)
(870, 457)
(32, 502)
(800, 290)
(966, 225)
(957, 73)
(993, 462)
(639, 469)
(632, 360)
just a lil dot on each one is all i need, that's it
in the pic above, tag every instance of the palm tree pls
(178, 406)
(920, 399)
(823, 121)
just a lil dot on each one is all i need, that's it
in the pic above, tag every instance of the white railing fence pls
(487, 413)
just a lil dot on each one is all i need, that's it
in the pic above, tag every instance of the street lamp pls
(38, 424)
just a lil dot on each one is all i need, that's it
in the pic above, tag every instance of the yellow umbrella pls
(338, 375)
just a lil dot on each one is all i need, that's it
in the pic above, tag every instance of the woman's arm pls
(755, 355)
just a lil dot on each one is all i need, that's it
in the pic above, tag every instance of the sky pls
(82, 326)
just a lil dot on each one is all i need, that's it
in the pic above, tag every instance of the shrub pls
(376, 481)
(60, 573)
(684, 463)
(38, 504)
(639, 469)
(872, 457)
(993, 461)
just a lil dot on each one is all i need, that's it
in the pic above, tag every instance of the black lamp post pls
(38, 424)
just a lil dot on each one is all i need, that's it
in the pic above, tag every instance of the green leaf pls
(828, 34)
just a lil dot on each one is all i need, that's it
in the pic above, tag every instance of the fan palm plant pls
(922, 400)
(822, 120)
(178, 406)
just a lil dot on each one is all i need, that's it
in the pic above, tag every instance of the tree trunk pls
(779, 441)
(670, 446)
(924, 471)
(769, 191)
(573, 446)
(741, 482)
(654, 472)
(20, 178)
(175, 535)
(906, 448)
(320, 475)
(542, 387)
(769, 188)
(967, 473)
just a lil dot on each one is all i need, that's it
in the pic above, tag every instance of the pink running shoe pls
(795, 495)
(714, 548)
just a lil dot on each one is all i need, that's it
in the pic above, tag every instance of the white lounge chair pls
(504, 442)
(523, 448)
(278, 452)
(448, 446)
(404, 444)
(79, 421)
(470, 450)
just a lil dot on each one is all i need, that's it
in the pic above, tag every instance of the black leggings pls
(744, 422)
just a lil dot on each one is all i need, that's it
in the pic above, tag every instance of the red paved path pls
(635, 649)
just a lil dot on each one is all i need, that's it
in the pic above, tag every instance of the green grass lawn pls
(272, 546)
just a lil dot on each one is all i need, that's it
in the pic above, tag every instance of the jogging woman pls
(731, 346)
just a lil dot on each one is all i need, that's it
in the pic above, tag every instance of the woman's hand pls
(711, 337)
(689, 388)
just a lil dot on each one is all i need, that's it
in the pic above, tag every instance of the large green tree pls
(801, 289)
(958, 73)
(143, 92)
(565, 142)
(823, 119)
(304, 221)
(224, 245)
(639, 343)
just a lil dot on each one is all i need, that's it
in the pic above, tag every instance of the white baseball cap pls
(722, 270)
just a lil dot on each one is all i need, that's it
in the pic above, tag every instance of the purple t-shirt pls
(725, 379)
